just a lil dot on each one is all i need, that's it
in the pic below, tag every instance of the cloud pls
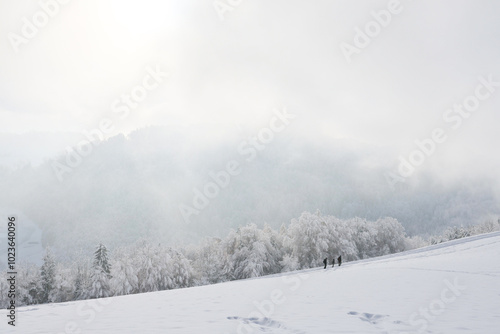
(229, 74)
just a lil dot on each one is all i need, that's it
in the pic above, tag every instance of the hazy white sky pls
(228, 74)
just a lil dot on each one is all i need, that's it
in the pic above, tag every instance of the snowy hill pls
(452, 287)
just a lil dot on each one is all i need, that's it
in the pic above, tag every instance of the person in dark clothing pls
(339, 260)
(333, 262)
(325, 261)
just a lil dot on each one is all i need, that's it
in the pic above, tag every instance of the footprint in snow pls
(382, 321)
(369, 317)
(264, 324)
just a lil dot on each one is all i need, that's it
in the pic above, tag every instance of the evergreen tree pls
(48, 275)
(101, 259)
(30, 285)
(33, 293)
(100, 277)
(79, 282)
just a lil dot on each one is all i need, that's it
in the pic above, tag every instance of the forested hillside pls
(132, 187)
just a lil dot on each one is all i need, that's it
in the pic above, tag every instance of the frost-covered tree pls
(274, 241)
(313, 237)
(48, 277)
(161, 268)
(415, 242)
(363, 235)
(289, 263)
(456, 232)
(4, 290)
(390, 237)
(82, 279)
(63, 288)
(149, 267)
(30, 287)
(101, 260)
(246, 252)
(124, 277)
(209, 262)
(100, 274)
(309, 239)
(487, 226)
(179, 270)
(166, 277)
(250, 253)
(340, 239)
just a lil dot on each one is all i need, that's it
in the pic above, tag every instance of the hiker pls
(325, 261)
(333, 262)
(339, 260)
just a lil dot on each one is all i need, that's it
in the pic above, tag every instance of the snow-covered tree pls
(250, 253)
(48, 276)
(309, 239)
(179, 270)
(456, 232)
(246, 252)
(340, 239)
(363, 235)
(209, 262)
(289, 263)
(161, 268)
(4, 290)
(63, 290)
(124, 279)
(100, 274)
(147, 262)
(390, 237)
(29, 284)
(101, 260)
(487, 226)
(274, 243)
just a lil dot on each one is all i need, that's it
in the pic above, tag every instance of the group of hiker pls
(339, 261)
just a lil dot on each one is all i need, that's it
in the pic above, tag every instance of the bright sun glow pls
(144, 16)
(131, 23)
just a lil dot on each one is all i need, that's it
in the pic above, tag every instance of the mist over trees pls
(132, 187)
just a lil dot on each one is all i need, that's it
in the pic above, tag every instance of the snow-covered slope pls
(452, 287)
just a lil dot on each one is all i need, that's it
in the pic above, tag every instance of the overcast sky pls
(225, 75)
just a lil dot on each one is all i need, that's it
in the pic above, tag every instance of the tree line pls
(246, 252)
